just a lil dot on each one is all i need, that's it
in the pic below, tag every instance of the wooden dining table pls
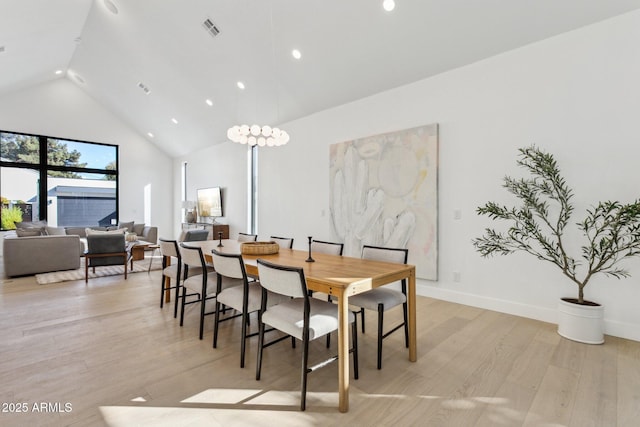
(341, 277)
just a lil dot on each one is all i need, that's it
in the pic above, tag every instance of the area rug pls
(110, 270)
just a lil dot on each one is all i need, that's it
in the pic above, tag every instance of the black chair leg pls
(215, 325)
(406, 325)
(175, 302)
(162, 289)
(260, 347)
(362, 318)
(380, 320)
(203, 300)
(354, 339)
(183, 278)
(243, 344)
(305, 361)
(184, 298)
(328, 335)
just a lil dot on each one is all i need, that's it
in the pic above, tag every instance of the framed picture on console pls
(209, 204)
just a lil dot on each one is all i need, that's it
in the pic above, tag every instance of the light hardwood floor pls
(117, 359)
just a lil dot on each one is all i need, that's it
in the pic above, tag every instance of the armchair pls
(105, 249)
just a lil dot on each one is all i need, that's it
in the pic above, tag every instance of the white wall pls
(221, 165)
(576, 95)
(60, 109)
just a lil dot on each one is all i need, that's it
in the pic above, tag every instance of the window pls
(252, 182)
(67, 183)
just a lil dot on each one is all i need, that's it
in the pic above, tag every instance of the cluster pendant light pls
(257, 135)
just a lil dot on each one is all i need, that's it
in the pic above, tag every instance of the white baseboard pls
(544, 314)
(621, 329)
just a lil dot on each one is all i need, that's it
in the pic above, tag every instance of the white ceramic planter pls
(582, 323)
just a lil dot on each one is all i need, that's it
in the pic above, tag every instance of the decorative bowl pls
(259, 248)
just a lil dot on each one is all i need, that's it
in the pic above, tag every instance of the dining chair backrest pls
(244, 237)
(329, 248)
(283, 280)
(196, 235)
(379, 253)
(283, 242)
(229, 265)
(169, 248)
(192, 256)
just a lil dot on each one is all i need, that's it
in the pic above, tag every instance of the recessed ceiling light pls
(111, 6)
(240, 85)
(296, 54)
(150, 134)
(389, 5)
(174, 121)
(209, 102)
(58, 72)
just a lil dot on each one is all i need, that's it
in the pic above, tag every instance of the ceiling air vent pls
(144, 88)
(210, 27)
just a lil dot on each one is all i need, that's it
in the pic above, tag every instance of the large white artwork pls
(384, 192)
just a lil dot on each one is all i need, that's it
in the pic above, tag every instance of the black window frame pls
(43, 168)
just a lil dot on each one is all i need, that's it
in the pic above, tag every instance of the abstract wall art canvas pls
(384, 192)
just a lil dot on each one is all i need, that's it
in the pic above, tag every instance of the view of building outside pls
(80, 202)
(81, 181)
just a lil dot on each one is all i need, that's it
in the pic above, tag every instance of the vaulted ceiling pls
(114, 49)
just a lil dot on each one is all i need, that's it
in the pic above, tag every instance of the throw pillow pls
(28, 232)
(127, 225)
(90, 231)
(55, 231)
(138, 229)
(31, 224)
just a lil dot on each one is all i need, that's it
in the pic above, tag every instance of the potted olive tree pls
(611, 232)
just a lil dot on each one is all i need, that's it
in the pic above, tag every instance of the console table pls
(214, 229)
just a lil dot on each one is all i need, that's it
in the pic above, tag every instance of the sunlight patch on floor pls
(257, 407)
(292, 398)
(221, 396)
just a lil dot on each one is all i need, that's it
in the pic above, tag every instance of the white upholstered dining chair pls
(385, 297)
(245, 237)
(202, 286)
(171, 271)
(329, 248)
(283, 242)
(299, 316)
(244, 298)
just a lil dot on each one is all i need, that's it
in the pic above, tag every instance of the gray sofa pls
(40, 254)
(62, 251)
(144, 232)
